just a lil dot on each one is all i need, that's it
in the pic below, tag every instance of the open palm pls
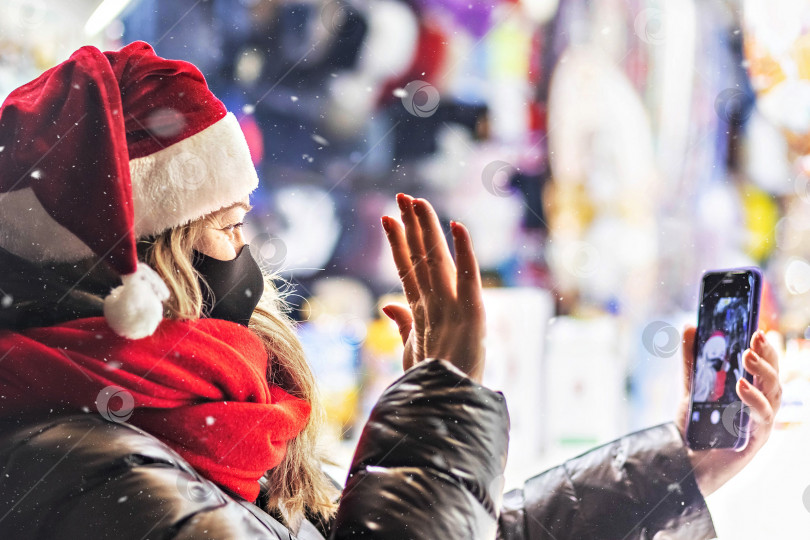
(445, 314)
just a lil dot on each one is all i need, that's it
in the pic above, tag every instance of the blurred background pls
(603, 155)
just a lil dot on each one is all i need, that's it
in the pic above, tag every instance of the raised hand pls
(715, 467)
(445, 318)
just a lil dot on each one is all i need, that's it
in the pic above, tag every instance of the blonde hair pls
(298, 484)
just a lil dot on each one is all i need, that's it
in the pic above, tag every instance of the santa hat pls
(106, 148)
(716, 345)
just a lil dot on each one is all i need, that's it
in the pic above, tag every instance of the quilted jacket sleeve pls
(638, 487)
(430, 460)
(429, 465)
(83, 477)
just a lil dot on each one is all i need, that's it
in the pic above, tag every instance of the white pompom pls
(134, 310)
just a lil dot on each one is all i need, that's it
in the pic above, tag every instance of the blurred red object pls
(254, 138)
(768, 310)
(431, 50)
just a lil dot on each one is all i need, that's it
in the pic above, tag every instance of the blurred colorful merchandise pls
(474, 17)
(777, 48)
(777, 51)
(337, 314)
(768, 308)
(795, 377)
(381, 357)
(605, 185)
(585, 394)
(517, 322)
(760, 214)
(333, 357)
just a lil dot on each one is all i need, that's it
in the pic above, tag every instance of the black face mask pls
(237, 285)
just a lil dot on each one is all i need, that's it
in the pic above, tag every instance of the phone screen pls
(722, 338)
(726, 321)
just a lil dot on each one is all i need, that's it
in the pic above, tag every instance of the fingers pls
(413, 237)
(402, 258)
(688, 351)
(760, 408)
(423, 258)
(766, 377)
(468, 277)
(764, 349)
(437, 255)
(402, 317)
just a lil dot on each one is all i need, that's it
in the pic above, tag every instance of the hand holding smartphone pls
(727, 318)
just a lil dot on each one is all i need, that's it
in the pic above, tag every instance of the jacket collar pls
(42, 294)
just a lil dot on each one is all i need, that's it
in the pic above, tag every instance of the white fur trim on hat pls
(192, 178)
(134, 310)
(174, 186)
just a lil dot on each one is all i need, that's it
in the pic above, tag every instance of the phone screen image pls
(727, 317)
(722, 338)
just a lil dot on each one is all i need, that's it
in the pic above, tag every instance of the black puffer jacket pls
(428, 466)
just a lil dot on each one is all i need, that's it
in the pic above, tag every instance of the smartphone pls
(727, 318)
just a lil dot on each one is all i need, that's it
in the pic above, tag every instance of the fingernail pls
(402, 201)
(418, 207)
(387, 312)
(752, 356)
(385, 225)
(744, 385)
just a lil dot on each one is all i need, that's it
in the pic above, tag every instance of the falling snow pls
(320, 140)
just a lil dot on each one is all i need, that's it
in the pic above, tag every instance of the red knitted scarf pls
(199, 386)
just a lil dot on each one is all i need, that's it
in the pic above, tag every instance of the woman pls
(710, 363)
(207, 413)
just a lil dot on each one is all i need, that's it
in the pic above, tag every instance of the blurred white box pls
(584, 376)
(516, 327)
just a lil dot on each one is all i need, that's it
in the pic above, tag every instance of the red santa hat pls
(109, 147)
(715, 346)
